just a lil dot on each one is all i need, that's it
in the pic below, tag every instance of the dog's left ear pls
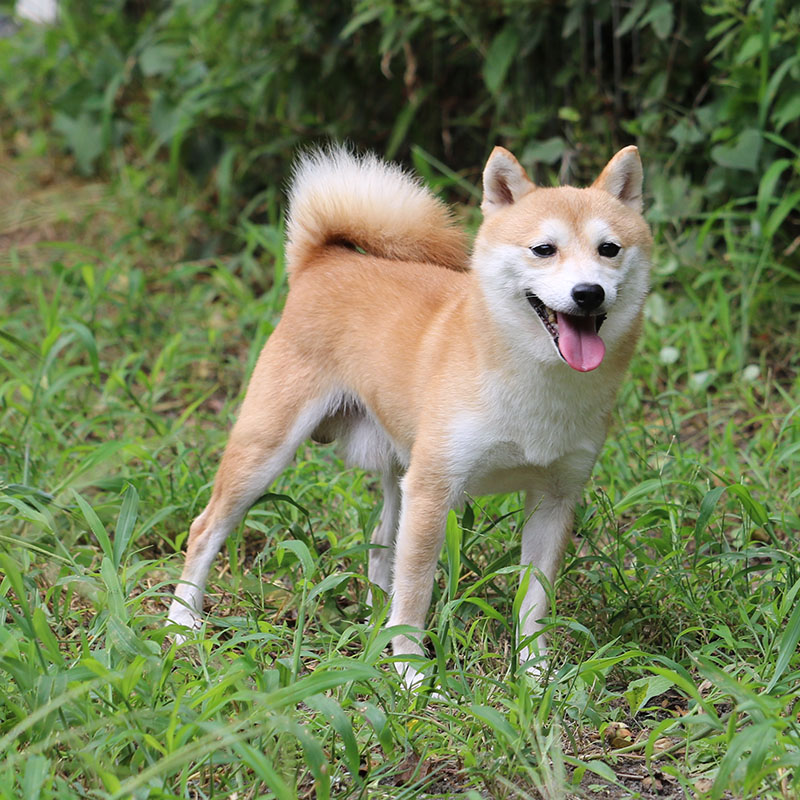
(622, 178)
(504, 181)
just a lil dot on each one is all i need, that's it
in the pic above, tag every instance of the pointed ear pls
(504, 181)
(622, 178)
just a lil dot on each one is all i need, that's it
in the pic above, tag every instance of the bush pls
(223, 91)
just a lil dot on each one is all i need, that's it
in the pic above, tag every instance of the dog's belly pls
(501, 480)
(361, 440)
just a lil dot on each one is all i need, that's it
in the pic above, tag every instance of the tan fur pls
(416, 226)
(444, 380)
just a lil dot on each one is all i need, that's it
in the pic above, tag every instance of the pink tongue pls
(579, 343)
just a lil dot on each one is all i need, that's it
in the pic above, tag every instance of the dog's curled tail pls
(337, 197)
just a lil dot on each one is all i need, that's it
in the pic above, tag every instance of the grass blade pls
(125, 523)
(787, 647)
(95, 526)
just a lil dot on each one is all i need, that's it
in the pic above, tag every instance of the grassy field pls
(675, 670)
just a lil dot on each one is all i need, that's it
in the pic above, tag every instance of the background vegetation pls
(145, 146)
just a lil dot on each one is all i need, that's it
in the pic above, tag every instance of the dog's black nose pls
(588, 296)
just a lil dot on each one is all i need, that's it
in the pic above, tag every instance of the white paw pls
(534, 663)
(415, 681)
(184, 617)
(412, 678)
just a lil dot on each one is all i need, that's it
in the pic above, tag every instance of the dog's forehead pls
(566, 214)
(561, 231)
(597, 229)
(555, 230)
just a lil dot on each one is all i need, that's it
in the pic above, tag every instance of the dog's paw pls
(534, 664)
(180, 615)
(412, 678)
(415, 682)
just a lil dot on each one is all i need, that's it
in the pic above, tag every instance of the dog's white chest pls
(516, 433)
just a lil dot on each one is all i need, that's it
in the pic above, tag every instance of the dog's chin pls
(575, 337)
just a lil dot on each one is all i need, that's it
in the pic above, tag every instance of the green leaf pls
(116, 597)
(685, 132)
(743, 154)
(502, 51)
(84, 138)
(641, 691)
(28, 348)
(754, 739)
(776, 218)
(599, 768)
(707, 506)
(14, 577)
(403, 122)
(317, 762)
(88, 341)
(95, 526)
(46, 636)
(453, 549)
(381, 637)
(685, 684)
(317, 682)
(496, 721)
(754, 509)
(423, 160)
(380, 724)
(767, 184)
(264, 769)
(330, 582)
(572, 21)
(569, 114)
(125, 523)
(360, 20)
(302, 552)
(488, 610)
(97, 455)
(127, 643)
(749, 49)
(787, 647)
(787, 112)
(330, 709)
(547, 152)
(37, 768)
(630, 19)
(160, 58)
(660, 18)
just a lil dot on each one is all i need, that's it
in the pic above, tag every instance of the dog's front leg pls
(549, 513)
(420, 536)
(544, 537)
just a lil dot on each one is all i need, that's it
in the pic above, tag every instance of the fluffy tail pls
(337, 198)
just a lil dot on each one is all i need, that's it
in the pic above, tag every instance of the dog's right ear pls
(504, 181)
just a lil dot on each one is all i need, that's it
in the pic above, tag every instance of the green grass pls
(677, 618)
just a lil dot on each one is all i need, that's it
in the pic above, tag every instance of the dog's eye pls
(608, 249)
(544, 250)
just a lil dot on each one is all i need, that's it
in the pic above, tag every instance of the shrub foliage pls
(224, 91)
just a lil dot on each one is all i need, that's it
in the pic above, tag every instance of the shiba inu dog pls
(445, 372)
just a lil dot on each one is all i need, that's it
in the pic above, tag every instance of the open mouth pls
(575, 336)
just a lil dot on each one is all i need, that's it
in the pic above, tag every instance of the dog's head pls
(560, 263)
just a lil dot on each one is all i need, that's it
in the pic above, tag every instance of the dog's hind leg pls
(381, 556)
(284, 403)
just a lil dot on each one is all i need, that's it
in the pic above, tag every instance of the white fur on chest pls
(525, 425)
